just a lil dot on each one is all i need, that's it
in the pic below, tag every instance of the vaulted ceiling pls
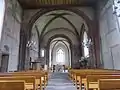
(58, 22)
(33, 4)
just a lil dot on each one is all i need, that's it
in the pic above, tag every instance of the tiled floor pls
(60, 81)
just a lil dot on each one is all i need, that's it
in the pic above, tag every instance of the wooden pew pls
(85, 72)
(30, 82)
(79, 76)
(109, 84)
(40, 80)
(92, 80)
(76, 73)
(44, 73)
(41, 77)
(12, 85)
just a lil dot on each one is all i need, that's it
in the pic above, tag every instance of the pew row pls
(41, 78)
(79, 76)
(92, 81)
(30, 82)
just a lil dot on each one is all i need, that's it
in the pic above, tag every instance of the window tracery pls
(60, 55)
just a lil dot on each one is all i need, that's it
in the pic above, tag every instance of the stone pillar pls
(22, 50)
(45, 58)
(75, 56)
(27, 59)
(96, 38)
(92, 62)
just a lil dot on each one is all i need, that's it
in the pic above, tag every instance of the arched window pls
(60, 55)
(2, 10)
(42, 52)
(85, 42)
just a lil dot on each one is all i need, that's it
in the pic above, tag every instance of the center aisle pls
(60, 81)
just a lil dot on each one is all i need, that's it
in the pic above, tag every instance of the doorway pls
(4, 62)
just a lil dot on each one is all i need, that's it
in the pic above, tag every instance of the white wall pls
(2, 11)
(110, 36)
(10, 32)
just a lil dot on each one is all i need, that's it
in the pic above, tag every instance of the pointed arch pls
(68, 50)
(85, 41)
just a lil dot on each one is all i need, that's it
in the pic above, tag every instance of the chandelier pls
(116, 7)
(31, 44)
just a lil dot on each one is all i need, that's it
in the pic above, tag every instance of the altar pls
(58, 68)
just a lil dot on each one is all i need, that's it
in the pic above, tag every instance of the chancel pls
(59, 44)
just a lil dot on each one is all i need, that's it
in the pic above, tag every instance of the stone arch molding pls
(44, 11)
(70, 35)
(39, 13)
(69, 49)
(64, 43)
(57, 47)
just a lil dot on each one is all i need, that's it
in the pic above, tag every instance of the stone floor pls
(60, 81)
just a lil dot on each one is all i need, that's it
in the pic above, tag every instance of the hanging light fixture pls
(31, 44)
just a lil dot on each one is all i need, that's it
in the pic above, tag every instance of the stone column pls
(27, 59)
(22, 50)
(75, 56)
